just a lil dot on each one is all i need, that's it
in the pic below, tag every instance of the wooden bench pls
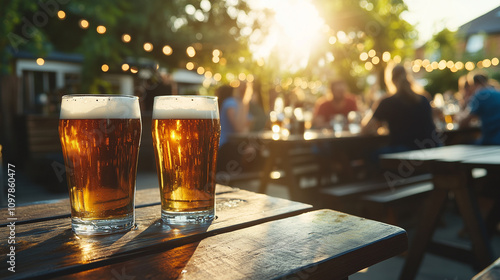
(387, 206)
(347, 197)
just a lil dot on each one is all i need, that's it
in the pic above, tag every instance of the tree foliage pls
(205, 25)
(360, 26)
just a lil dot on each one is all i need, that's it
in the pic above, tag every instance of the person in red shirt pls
(340, 102)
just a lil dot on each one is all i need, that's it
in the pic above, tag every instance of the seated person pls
(339, 103)
(484, 104)
(407, 113)
(234, 118)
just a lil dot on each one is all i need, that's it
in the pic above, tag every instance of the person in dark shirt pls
(484, 104)
(408, 115)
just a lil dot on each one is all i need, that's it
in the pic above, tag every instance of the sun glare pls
(294, 32)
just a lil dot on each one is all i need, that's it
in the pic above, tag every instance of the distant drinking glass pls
(338, 123)
(354, 118)
(100, 137)
(186, 131)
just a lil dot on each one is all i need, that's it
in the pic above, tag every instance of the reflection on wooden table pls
(255, 236)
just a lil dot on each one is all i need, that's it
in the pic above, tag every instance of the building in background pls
(481, 36)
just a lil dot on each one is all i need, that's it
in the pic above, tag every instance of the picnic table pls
(325, 148)
(254, 236)
(451, 168)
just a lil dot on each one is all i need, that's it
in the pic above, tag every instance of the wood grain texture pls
(54, 209)
(50, 247)
(322, 244)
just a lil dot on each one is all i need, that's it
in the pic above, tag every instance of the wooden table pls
(340, 148)
(253, 237)
(325, 146)
(451, 167)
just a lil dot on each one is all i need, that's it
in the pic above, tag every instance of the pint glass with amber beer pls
(100, 137)
(186, 131)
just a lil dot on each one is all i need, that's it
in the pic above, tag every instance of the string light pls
(148, 47)
(40, 61)
(61, 14)
(442, 65)
(126, 38)
(134, 70)
(486, 63)
(469, 66)
(363, 56)
(190, 51)
(217, 77)
(386, 56)
(101, 29)
(167, 50)
(416, 65)
(84, 24)
(368, 66)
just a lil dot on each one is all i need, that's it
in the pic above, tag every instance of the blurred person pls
(484, 104)
(407, 112)
(339, 103)
(234, 118)
(256, 110)
(465, 91)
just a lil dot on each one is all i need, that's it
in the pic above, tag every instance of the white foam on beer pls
(185, 107)
(100, 107)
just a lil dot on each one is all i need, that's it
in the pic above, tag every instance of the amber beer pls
(186, 131)
(100, 137)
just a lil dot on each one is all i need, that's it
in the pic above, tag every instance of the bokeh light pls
(190, 51)
(61, 14)
(101, 29)
(126, 38)
(84, 24)
(167, 50)
(148, 47)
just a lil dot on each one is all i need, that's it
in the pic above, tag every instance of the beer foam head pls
(185, 107)
(100, 107)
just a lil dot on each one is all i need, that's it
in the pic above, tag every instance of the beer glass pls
(100, 137)
(186, 131)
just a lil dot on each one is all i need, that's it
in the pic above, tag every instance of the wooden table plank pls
(322, 244)
(60, 208)
(451, 167)
(51, 247)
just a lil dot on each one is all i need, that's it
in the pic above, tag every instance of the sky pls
(431, 16)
